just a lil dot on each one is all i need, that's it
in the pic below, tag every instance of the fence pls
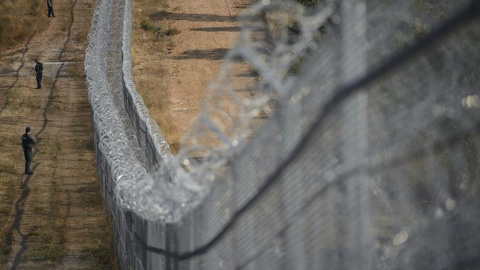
(369, 158)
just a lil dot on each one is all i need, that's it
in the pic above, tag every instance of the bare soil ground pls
(178, 54)
(54, 219)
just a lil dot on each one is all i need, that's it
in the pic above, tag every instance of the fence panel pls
(366, 157)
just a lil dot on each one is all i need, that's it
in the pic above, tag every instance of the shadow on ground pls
(218, 29)
(215, 54)
(157, 16)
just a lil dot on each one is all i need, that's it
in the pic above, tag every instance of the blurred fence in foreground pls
(366, 154)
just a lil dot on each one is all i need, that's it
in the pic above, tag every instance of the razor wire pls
(341, 137)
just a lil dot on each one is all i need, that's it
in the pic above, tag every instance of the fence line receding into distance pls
(340, 137)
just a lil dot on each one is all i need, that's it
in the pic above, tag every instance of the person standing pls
(38, 71)
(50, 8)
(27, 144)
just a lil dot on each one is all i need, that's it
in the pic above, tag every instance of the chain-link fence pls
(341, 137)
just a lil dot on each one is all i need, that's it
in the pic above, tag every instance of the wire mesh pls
(340, 137)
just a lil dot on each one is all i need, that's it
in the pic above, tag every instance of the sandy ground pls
(180, 70)
(54, 219)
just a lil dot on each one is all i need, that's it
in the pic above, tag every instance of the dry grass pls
(9, 168)
(6, 212)
(22, 102)
(75, 70)
(176, 54)
(59, 220)
(19, 20)
(11, 148)
(151, 42)
(157, 101)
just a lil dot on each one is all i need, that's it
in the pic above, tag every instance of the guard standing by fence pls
(27, 144)
(38, 71)
(50, 8)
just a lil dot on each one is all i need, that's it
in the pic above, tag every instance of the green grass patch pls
(146, 25)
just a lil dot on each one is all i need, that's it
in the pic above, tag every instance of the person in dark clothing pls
(27, 144)
(38, 71)
(50, 8)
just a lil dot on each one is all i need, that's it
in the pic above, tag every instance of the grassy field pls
(20, 20)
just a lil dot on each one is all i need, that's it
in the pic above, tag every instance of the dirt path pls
(173, 81)
(55, 218)
(208, 29)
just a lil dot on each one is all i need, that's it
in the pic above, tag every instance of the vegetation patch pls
(146, 25)
(52, 233)
(20, 20)
(172, 32)
(6, 246)
(153, 40)
(7, 140)
(7, 166)
(75, 70)
(310, 3)
(6, 211)
(100, 249)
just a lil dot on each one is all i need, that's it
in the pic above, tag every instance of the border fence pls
(369, 157)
